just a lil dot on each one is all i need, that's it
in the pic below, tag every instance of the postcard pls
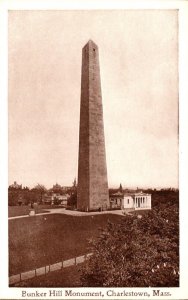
(94, 141)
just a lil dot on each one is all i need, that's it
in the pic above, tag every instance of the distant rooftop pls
(119, 194)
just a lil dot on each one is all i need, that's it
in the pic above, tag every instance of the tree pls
(40, 187)
(120, 188)
(39, 190)
(13, 197)
(72, 201)
(137, 252)
(74, 184)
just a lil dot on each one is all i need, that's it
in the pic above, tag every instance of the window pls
(127, 201)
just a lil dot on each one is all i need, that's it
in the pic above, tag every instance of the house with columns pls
(137, 201)
(130, 201)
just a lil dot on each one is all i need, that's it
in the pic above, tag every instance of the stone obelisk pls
(92, 193)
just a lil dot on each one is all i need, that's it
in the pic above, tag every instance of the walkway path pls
(71, 213)
(48, 268)
(28, 216)
(81, 213)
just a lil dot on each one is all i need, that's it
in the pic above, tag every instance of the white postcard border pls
(182, 6)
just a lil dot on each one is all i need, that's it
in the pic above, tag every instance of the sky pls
(138, 52)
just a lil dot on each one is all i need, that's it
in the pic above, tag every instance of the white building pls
(61, 199)
(137, 201)
(130, 201)
(56, 199)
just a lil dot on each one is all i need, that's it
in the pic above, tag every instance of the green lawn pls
(14, 211)
(140, 212)
(68, 277)
(46, 239)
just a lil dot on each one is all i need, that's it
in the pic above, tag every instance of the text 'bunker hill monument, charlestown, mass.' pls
(92, 191)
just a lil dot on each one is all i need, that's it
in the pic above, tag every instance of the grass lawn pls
(68, 277)
(14, 211)
(44, 240)
(140, 212)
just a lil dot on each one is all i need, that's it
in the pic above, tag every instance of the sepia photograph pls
(70, 110)
(93, 153)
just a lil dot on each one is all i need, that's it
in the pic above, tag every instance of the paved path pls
(28, 216)
(70, 212)
(81, 213)
(48, 268)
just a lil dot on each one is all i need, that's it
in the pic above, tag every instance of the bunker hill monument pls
(92, 193)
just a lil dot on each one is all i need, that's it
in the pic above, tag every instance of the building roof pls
(141, 194)
(117, 194)
(136, 194)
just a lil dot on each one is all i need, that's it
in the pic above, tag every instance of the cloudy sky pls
(138, 52)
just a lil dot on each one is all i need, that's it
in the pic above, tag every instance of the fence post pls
(49, 268)
(75, 260)
(35, 272)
